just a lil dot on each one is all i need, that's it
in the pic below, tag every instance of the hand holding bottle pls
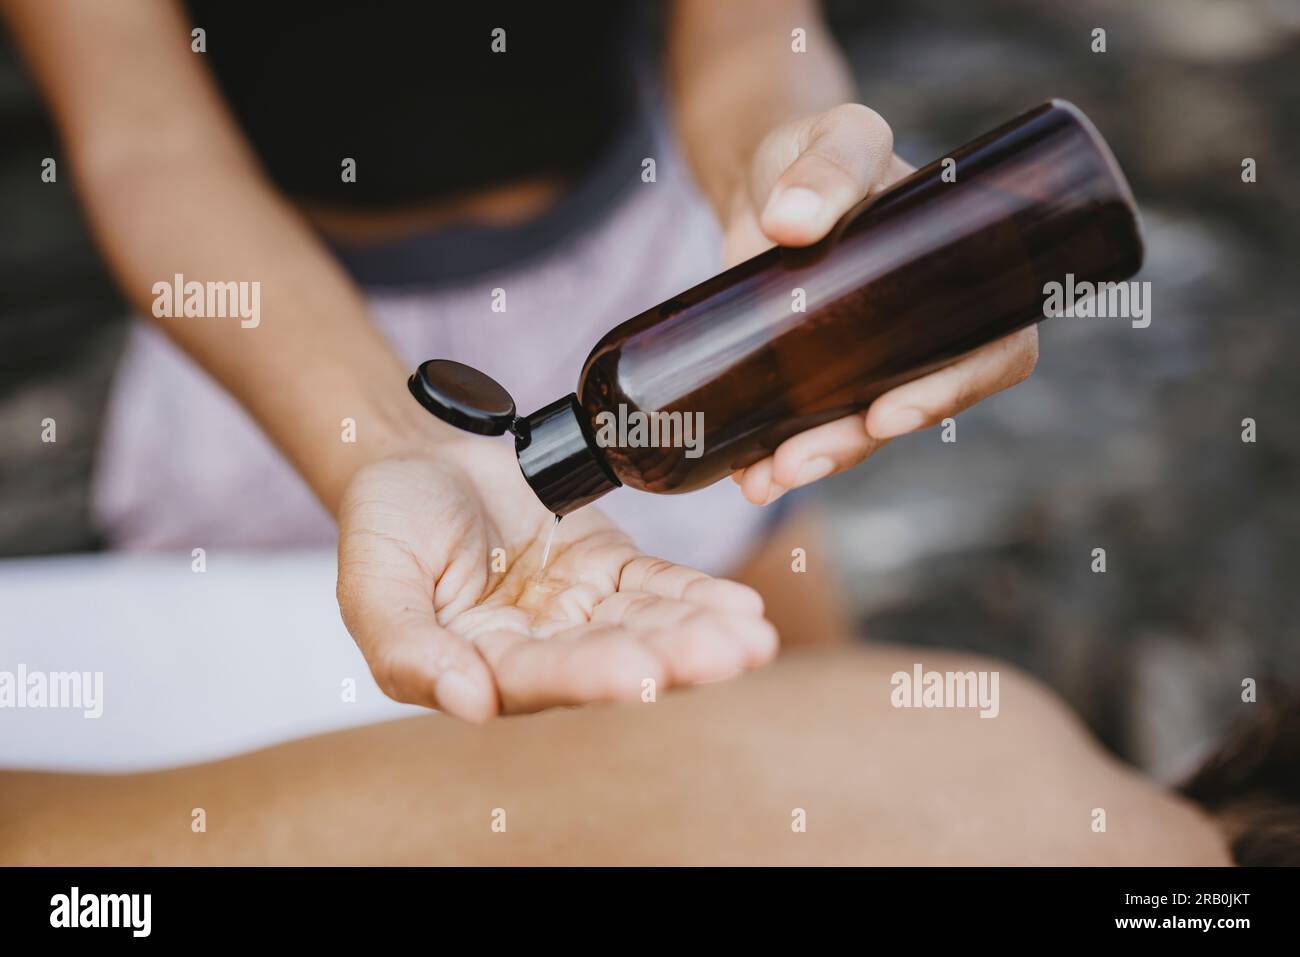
(787, 362)
(769, 355)
(427, 525)
(803, 177)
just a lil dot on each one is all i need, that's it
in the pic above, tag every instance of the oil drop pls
(546, 552)
(537, 588)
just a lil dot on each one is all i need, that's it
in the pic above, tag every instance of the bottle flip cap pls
(462, 396)
(557, 453)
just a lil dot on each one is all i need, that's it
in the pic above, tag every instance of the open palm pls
(438, 565)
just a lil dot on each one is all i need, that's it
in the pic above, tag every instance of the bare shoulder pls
(974, 761)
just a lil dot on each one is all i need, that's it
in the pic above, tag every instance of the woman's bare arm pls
(170, 186)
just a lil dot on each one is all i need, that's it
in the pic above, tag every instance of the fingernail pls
(775, 491)
(794, 205)
(900, 422)
(813, 470)
(459, 695)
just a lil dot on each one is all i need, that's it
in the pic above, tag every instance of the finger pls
(847, 442)
(757, 485)
(589, 664)
(566, 608)
(669, 580)
(812, 455)
(844, 153)
(652, 594)
(696, 644)
(639, 639)
(413, 659)
(925, 401)
(899, 168)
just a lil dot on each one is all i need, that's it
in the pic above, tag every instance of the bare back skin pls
(715, 775)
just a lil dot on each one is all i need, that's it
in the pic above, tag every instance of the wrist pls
(378, 421)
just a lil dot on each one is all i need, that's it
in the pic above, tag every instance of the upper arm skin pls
(170, 186)
(118, 76)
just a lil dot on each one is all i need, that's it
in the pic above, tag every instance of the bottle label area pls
(626, 428)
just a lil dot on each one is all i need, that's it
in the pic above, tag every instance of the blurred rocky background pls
(1124, 439)
(62, 325)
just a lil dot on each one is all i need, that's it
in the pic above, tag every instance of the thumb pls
(844, 154)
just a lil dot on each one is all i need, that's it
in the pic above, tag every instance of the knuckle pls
(387, 673)
(843, 166)
(851, 138)
(966, 394)
(654, 568)
(1031, 356)
(452, 658)
(343, 595)
(657, 566)
(639, 604)
(864, 118)
(1024, 355)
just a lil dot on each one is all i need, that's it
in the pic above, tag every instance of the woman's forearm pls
(171, 189)
(735, 76)
(312, 359)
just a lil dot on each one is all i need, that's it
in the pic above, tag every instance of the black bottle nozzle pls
(557, 454)
(559, 457)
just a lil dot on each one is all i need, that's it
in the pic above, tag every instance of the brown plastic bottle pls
(911, 279)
